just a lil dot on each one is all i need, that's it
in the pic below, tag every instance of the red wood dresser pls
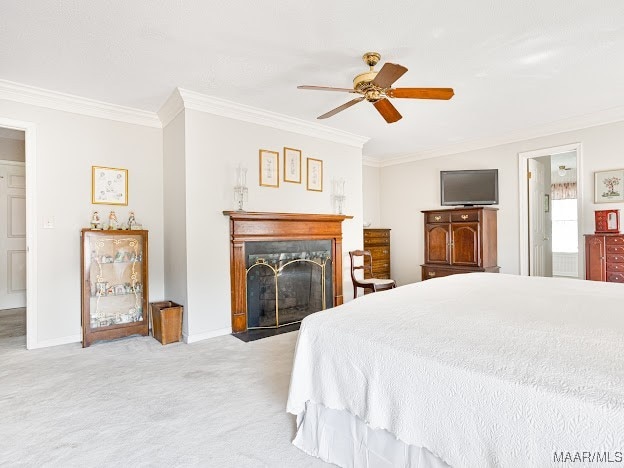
(604, 257)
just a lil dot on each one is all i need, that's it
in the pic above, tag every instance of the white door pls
(12, 235)
(538, 234)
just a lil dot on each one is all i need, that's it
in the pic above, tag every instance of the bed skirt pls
(340, 438)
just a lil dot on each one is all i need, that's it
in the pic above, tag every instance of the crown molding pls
(604, 117)
(171, 108)
(224, 108)
(371, 162)
(32, 95)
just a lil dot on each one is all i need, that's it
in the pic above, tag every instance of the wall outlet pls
(49, 223)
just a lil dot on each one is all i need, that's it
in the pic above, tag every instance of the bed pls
(468, 370)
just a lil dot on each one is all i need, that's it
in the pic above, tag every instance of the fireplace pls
(286, 281)
(283, 267)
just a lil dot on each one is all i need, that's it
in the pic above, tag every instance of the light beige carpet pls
(134, 402)
(13, 325)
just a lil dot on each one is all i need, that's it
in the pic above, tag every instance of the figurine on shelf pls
(112, 221)
(131, 220)
(95, 221)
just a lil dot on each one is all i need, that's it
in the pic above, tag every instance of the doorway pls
(13, 252)
(29, 129)
(550, 212)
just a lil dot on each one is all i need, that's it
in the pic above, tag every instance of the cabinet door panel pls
(595, 258)
(437, 243)
(465, 244)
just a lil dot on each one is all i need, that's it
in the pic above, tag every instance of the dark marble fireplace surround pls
(281, 240)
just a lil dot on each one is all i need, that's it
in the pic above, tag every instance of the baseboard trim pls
(188, 339)
(57, 341)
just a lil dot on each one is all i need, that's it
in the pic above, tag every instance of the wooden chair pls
(374, 284)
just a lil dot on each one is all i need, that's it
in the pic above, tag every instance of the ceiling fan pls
(375, 87)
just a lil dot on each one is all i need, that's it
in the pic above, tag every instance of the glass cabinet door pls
(115, 280)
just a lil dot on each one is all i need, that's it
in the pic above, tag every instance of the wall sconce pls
(240, 189)
(338, 189)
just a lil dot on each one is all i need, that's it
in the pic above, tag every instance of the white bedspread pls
(481, 369)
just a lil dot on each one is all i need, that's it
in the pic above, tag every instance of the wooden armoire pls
(460, 240)
(604, 257)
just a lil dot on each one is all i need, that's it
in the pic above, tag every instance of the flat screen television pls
(470, 187)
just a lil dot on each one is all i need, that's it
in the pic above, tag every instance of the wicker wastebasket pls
(167, 321)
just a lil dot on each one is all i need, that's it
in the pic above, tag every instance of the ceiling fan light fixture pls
(376, 88)
(562, 171)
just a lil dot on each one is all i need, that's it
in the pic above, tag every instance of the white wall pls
(11, 150)
(371, 179)
(214, 147)
(67, 146)
(174, 206)
(408, 188)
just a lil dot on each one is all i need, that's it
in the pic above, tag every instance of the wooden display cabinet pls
(114, 284)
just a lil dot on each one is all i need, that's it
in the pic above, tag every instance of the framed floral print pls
(609, 186)
(315, 175)
(292, 165)
(109, 185)
(269, 168)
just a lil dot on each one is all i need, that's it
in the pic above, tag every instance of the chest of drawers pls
(604, 257)
(377, 241)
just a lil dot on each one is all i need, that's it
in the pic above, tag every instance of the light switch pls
(49, 223)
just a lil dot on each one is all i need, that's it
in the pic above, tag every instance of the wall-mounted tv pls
(470, 187)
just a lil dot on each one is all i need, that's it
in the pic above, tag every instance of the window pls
(564, 225)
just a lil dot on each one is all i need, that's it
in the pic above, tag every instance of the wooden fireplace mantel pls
(259, 226)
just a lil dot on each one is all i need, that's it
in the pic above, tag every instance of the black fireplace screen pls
(286, 281)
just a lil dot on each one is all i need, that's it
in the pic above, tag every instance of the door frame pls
(30, 137)
(523, 199)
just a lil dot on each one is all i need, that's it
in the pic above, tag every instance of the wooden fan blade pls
(388, 74)
(387, 110)
(327, 88)
(421, 93)
(341, 108)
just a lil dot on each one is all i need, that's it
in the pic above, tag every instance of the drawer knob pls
(437, 218)
(464, 217)
(431, 273)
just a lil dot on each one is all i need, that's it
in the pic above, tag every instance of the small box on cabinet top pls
(607, 221)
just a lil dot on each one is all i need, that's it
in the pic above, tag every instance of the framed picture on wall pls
(269, 168)
(109, 185)
(609, 186)
(292, 165)
(315, 175)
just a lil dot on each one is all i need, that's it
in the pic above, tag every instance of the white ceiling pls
(563, 159)
(513, 65)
